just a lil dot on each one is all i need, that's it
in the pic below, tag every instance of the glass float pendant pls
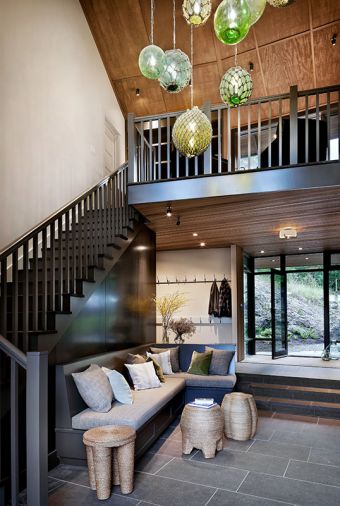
(192, 131)
(196, 12)
(151, 58)
(232, 21)
(256, 9)
(236, 86)
(280, 3)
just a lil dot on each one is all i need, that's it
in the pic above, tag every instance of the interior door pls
(279, 314)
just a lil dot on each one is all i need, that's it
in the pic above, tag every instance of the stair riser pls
(294, 394)
(49, 324)
(316, 411)
(66, 303)
(243, 380)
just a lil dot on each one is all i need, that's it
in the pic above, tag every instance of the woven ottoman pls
(202, 429)
(240, 416)
(110, 454)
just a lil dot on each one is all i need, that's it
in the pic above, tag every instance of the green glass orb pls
(192, 132)
(256, 9)
(280, 3)
(176, 72)
(151, 61)
(196, 12)
(232, 21)
(236, 86)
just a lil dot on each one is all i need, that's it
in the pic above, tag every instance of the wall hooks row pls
(191, 281)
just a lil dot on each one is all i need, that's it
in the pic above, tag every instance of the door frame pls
(284, 323)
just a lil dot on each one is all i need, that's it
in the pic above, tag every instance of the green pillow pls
(200, 363)
(158, 369)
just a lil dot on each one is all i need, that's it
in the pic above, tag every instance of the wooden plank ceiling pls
(251, 221)
(287, 46)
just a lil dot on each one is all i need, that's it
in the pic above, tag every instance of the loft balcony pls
(278, 143)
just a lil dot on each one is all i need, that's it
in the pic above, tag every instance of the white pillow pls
(143, 376)
(120, 387)
(163, 359)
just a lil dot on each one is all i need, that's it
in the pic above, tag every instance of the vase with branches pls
(182, 327)
(168, 305)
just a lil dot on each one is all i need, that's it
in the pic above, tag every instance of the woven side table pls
(110, 454)
(202, 429)
(240, 416)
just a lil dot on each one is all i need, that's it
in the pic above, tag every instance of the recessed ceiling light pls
(300, 249)
(195, 234)
(262, 251)
(307, 258)
(202, 244)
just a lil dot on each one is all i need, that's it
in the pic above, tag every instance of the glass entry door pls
(279, 314)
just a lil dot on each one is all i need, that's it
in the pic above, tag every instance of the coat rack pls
(192, 281)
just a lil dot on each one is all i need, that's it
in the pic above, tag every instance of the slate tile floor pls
(292, 460)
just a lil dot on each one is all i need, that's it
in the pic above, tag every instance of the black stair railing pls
(40, 271)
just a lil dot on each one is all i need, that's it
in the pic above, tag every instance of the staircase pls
(44, 277)
(300, 396)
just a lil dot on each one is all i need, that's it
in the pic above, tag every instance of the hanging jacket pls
(225, 299)
(214, 300)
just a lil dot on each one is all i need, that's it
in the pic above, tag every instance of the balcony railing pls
(299, 127)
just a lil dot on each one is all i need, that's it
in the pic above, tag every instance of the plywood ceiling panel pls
(280, 45)
(252, 222)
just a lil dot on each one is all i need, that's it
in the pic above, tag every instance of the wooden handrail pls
(13, 352)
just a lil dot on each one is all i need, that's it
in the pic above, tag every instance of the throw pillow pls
(220, 361)
(135, 359)
(158, 369)
(94, 388)
(163, 359)
(143, 376)
(120, 387)
(200, 363)
(174, 358)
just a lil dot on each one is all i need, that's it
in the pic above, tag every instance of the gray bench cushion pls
(210, 381)
(146, 404)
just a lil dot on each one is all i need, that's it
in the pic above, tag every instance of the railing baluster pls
(306, 130)
(14, 433)
(3, 319)
(44, 278)
(126, 198)
(35, 283)
(15, 297)
(328, 126)
(67, 252)
(249, 138)
(25, 296)
(106, 213)
(168, 145)
(186, 167)
(196, 165)
(84, 240)
(219, 149)
(101, 221)
(60, 264)
(150, 151)
(270, 134)
(95, 225)
(177, 163)
(317, 134)
(142, 175)
(280, 132)
(238, 138)
(159, 175)
(229, 140)
(74, 250)
(52, 273)
(259, 132)
(338, 125)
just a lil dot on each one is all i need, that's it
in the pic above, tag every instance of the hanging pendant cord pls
(152, 19)
(236, 55)
(174, 20)
(192, 65)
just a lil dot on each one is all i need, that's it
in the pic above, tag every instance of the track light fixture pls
(178, 222)
(137, 92)
(169, 211)
(251, 66)
(333, 39)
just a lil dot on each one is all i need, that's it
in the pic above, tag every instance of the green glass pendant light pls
(236, 85)
(176, 73)
(232, 21)
(192, 131)
(196, 12)
(256, 9)
(151, 58)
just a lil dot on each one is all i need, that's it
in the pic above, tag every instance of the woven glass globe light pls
(236, 86)
(232, 21)
(151, 61)
(196, 12)
(176, 72)
(256, 9)
(280, 3)
(192, 132)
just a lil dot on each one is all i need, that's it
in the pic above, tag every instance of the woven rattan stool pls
(202, 429)
(110, 454)
(240, 416)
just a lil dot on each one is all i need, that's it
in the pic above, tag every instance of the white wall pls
(54, 97)
(191, 264)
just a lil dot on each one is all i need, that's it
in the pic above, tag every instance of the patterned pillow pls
(143, 376)
(120, 387)
(220, 361)
(174, 358)
(163, 359)
(94, 388)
